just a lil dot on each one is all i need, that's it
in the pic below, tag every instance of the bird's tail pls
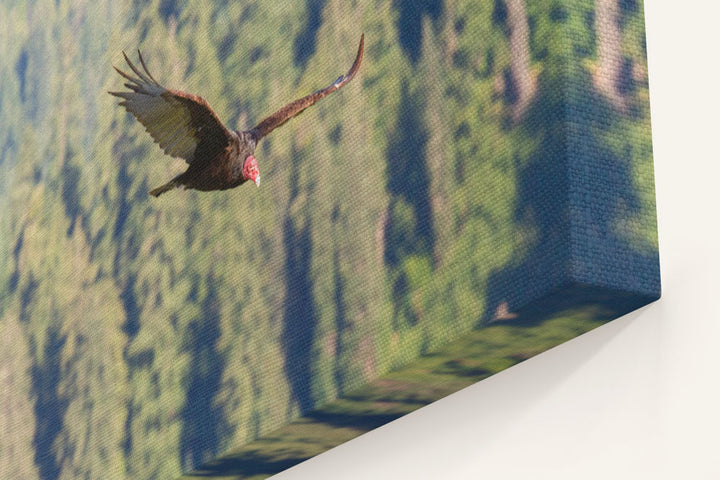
(156, 192)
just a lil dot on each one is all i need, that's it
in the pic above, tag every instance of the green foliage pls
(17, 420)
(158, 333)
(455, 366)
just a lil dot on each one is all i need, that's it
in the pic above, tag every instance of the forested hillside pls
(142, 336)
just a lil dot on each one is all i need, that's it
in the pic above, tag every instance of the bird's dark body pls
(218, 167)
(185, 126)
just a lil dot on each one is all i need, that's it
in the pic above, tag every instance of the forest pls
(141, 337)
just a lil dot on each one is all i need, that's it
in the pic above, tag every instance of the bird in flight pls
(186, 127)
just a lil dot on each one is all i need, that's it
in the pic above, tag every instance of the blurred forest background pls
(140, 337)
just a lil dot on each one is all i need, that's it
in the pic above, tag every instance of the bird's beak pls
(257, 180)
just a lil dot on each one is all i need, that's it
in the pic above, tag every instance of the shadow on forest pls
(545, 202)
(360, 421)
(410, 23)
(279, 459)
(250, 464)
(15, 275)
(203, 423)
(50, 408)
(21, 71)
(170, 9)
(304, 46)
(410, 225)
(410, 229)
(608, 304)
(341, 323)
(541, 202)
(70, 189)
(299, 319)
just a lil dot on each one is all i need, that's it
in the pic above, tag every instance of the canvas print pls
(449, 188)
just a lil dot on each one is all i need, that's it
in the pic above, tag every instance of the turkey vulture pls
(185, 126)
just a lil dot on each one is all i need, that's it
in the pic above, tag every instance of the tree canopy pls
(143, 336)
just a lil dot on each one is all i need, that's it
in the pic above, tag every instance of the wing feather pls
(177, 121)
(293, 109)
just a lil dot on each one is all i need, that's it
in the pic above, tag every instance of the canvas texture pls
(481, 191)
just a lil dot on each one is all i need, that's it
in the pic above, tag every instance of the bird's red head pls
(251, 171)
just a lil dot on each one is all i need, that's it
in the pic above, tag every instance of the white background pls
(637, 398)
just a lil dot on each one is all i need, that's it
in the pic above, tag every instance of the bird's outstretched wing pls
(179, 122)
(295, 108)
